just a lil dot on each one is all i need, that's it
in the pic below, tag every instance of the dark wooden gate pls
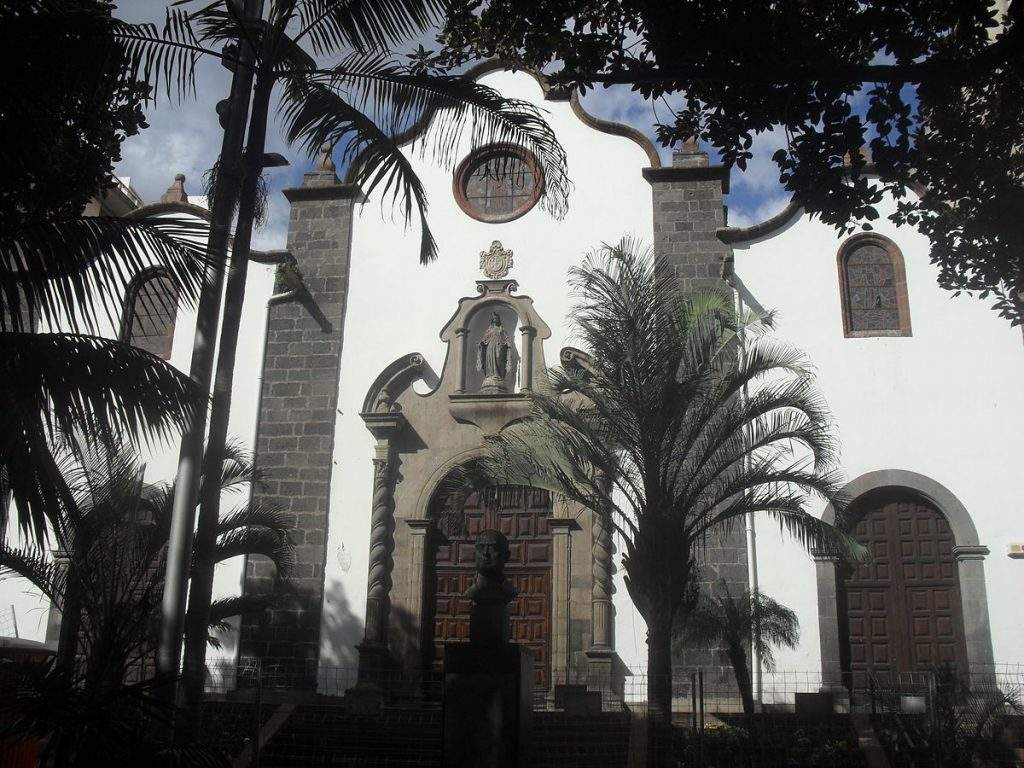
(901, 610)
(521, 514)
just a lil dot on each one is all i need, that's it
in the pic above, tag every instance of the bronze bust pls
(491, 591)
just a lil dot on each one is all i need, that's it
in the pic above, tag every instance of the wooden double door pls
(901, 610)
(521, 514)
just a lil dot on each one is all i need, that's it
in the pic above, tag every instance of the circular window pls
(498, 183)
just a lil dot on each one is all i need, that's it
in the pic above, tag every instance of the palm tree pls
(362, 104)
(66, 277)
(64, 274)
(117, 537)
(116, 541)
(737, 622)
(656, 434)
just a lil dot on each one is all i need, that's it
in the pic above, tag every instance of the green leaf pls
(74, 273)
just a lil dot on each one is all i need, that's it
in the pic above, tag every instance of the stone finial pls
(325, 161)
(689, 155)
(176, 192)
(323, 173)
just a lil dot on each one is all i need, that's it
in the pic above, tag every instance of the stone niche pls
(420, 564)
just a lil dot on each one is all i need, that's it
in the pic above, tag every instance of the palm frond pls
(256, 513)
(314, 115)
(238, 470)
(37, 567)
(228, 607)
(73, 273)
(166, 56)
(61, 384)
(395, 100)
(257, 540)
(334, 25)
(104, 389)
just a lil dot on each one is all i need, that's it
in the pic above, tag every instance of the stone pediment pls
(464, 392)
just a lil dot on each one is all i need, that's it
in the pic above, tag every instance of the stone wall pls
(295, 433)
(688, 211)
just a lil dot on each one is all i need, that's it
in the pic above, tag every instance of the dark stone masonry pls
(295, 434)
(688, 212)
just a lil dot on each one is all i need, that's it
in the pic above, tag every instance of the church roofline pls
(793, 210)
(483, 68)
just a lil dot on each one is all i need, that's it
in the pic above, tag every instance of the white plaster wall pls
(946, 402)
(161, 457)
(396, 306)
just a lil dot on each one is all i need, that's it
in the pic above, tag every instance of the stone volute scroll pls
(382, 414)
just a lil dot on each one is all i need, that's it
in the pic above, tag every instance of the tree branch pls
(930, 70)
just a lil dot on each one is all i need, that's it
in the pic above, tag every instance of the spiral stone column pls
(378, 588)
(374, 654)
(602, 589)
(605, 669)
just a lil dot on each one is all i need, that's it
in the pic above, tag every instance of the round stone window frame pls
(473, 159)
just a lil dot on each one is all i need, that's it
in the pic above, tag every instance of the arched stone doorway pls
(523, 515)
(967, 551)
(420, 567)
(901, 610)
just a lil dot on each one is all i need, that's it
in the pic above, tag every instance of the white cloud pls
(761, 176)
(756, 210)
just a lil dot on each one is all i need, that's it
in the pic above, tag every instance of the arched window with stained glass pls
(151, 307)
(873, 287)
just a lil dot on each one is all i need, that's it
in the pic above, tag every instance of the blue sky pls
(184, 137)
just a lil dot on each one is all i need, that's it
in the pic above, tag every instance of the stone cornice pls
(970, 552)
(568, 524)
(823, 556)
(383, 426)
(681, 173)
(420, 525)
(327, 192)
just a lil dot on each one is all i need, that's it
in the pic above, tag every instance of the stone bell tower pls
(298, 403)
(688, 213)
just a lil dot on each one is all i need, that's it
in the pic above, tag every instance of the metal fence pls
(940, 717)
(262, 716)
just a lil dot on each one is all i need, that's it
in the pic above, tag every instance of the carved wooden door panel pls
(521, 514)
(902, 608)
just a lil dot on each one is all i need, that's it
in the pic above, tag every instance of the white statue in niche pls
(492, 357)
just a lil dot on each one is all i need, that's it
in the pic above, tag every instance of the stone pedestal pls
(606, 673)
(487, 705)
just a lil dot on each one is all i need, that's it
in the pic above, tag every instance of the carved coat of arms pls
(496, 261)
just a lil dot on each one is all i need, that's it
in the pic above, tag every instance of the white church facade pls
(357, 411)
